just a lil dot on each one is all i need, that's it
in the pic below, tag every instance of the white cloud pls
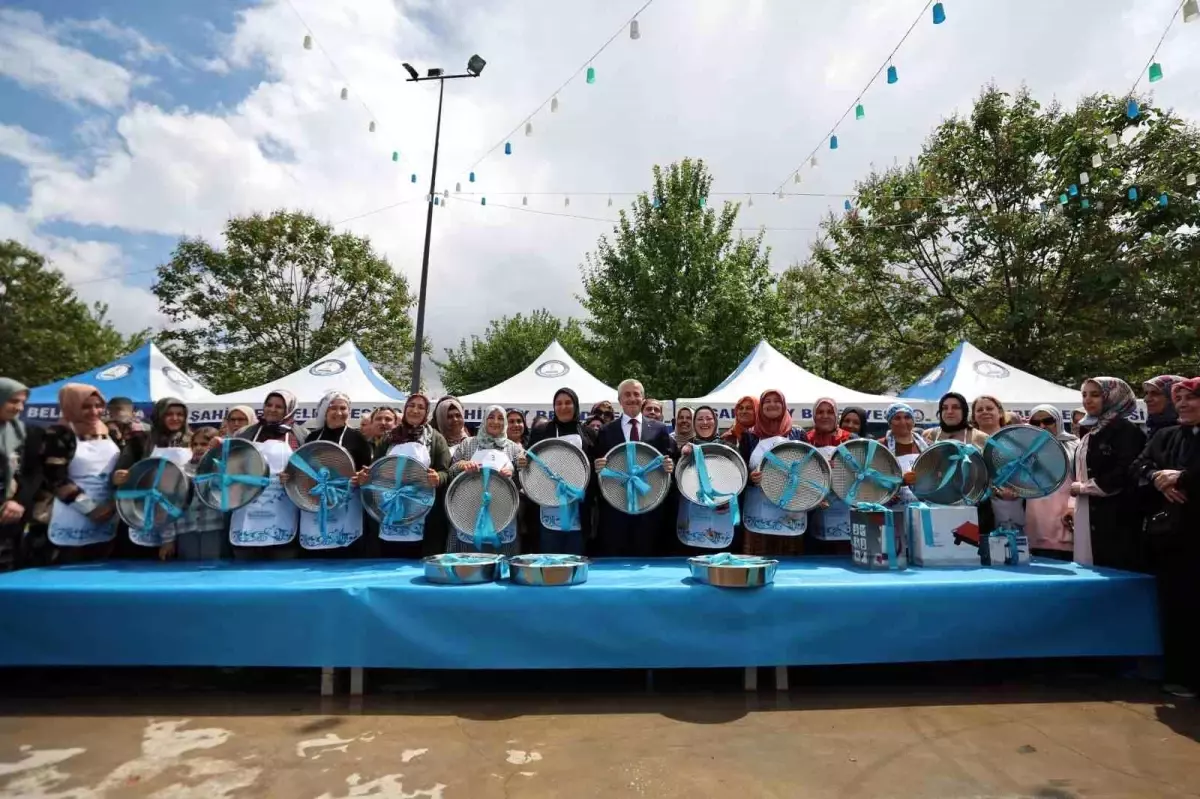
(32, 55)
(138, 49)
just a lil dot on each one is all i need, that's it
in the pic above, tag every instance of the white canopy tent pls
(532, 389)
(345, 369)
(765, 368)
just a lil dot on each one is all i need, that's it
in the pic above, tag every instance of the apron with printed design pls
(414, 530)
(90, 469)
(834, 521)
(762, 516)
(494, 459)
(551, 517)
(271, 519)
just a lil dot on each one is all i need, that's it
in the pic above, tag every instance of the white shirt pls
(626, 428)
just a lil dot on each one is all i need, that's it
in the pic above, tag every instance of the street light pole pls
(474, 67)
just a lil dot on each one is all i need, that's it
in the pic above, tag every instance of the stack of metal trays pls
(464, 498)
(613, 488)
(725, 570)
(390, 473)
(562, 458)
(1044, 462)
(463, 568)
(814, 477)
(316, 455)
(149, 474)
(236, 457)
(726, 472)
(951, 473)
(842, 474)
(548, 569)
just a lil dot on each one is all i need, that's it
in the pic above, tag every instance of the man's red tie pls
(633, 433)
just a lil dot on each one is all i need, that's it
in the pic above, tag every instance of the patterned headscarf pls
(70, 401)
(326, 401)
(441, 415)
(1117, 401)
(1166, 384)
(405, 433)
(894, 410)
(769, 428)
(681, 436)
(738, 429)
(159, 434)
(250, 414)
(486, 440)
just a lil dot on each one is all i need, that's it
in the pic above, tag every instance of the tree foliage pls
(971, 241)
(676, 298)
(46, 332)
(283, 291)
(507, 346)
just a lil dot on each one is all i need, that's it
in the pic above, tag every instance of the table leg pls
(751, 678)
(781, 678)
(326, 681)
(356, 681)
(649, 681)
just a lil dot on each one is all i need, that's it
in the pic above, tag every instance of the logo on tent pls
(990, 369)
(551, 369)
(328, 368)
(932, 377)
(115, 372)
(177, 377)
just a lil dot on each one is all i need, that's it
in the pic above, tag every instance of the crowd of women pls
(1131, 502)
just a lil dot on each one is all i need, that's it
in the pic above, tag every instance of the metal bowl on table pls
(149, 474)
(843, 474)
(542, 570)
(234, 458)
(733, 571)
(951, 473)
(614, 490)
(726, 472)
(390, 473)
(814, 477)
(567, 461)
(463, 568)
(464, 499)
(1044, 462)
(314, 457)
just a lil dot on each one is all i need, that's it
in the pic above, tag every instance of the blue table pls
(628, 615)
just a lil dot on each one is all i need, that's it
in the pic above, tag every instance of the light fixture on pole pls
(475, 67)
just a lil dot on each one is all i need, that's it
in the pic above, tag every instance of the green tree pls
(285, 290)
(675, 298)
(994, 235)
(46, 332)
(509, 344)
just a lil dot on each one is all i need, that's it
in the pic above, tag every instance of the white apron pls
(760, 515)
(907, 462)
(343, 526)
(834, 522)
(1083, 519)
(702, 526)
(497, 460)
(414, 530)
(271, 519)
(551, 517)
(90, 469)
(181, 457)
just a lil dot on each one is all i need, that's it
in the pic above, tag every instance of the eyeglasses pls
(1045, 421)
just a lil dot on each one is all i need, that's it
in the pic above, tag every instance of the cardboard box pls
(832, 523)
(953, 539)
(867, 530)
(1000, 550)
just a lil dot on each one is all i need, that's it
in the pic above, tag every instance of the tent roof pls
(766, 367)
(144, 375)
(532, 389)
(345, 369)
(971, 372)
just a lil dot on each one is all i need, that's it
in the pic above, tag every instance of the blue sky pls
(124, 125)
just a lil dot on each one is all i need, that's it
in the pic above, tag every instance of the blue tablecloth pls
(628, 615)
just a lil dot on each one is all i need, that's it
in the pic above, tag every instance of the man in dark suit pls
(620, 534)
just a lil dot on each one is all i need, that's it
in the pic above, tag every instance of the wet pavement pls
(1050, 731)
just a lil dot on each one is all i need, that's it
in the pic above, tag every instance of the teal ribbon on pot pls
(709, 497)
(634, 479)
(730, 559)
(889, 529)
(1019, 464)
(452, 559)
(331, 492)
(394, 501)
(960, 464)
(225, 479)
(926, 521)
(152, 499)
(863, 472)
(485, 528)
(568, 495)
(1009, 533)
(795, 473)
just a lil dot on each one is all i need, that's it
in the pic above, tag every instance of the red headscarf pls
(735, 432)
(769, 428)
(826, 438)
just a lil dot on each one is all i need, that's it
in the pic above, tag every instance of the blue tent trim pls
(127, 376)
(937, 382)
(384, 386)
(741, 367)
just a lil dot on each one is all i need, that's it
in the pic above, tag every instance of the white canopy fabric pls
(532, 389)
(345, 369)
(765, 368)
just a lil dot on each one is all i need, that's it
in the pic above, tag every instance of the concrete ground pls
(923, 731)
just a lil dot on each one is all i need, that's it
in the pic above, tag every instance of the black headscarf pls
(859, 412)
(555, 428)
(966, 412)
(716, 436)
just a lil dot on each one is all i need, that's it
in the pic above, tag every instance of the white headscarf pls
(326, 401)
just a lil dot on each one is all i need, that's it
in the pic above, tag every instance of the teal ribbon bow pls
(394, 501)
(536, 576)
(152, 499)
(889, 529)
(634, 479)
(730, 559)
(1020, 464)
(568, 495)
(926, 521)
(1011, 554)
(452, 559)
(709, 497)
(485, 528)
(863, 473)
(795, 472)
(225, 479)
(331, 492)
(960, 464)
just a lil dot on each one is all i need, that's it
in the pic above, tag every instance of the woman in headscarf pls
(954, 423)
(1160, 407)
(831, 520)
(1049, 535)
(1104, 508)
(556, 534)
(239, 418)
(602, 410)
(684, 427)
(825, 432)
(701, 530)
(79, 458)
(854, 421)
(266, 528)
(415, 438)
(517, 432)
(342, 534)
(745, 413)
(902, 442)
(491, 448)
(770, 530)
(448, 420)
(20, 474)
(167, 438)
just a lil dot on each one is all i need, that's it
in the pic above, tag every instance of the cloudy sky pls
(124, 125)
